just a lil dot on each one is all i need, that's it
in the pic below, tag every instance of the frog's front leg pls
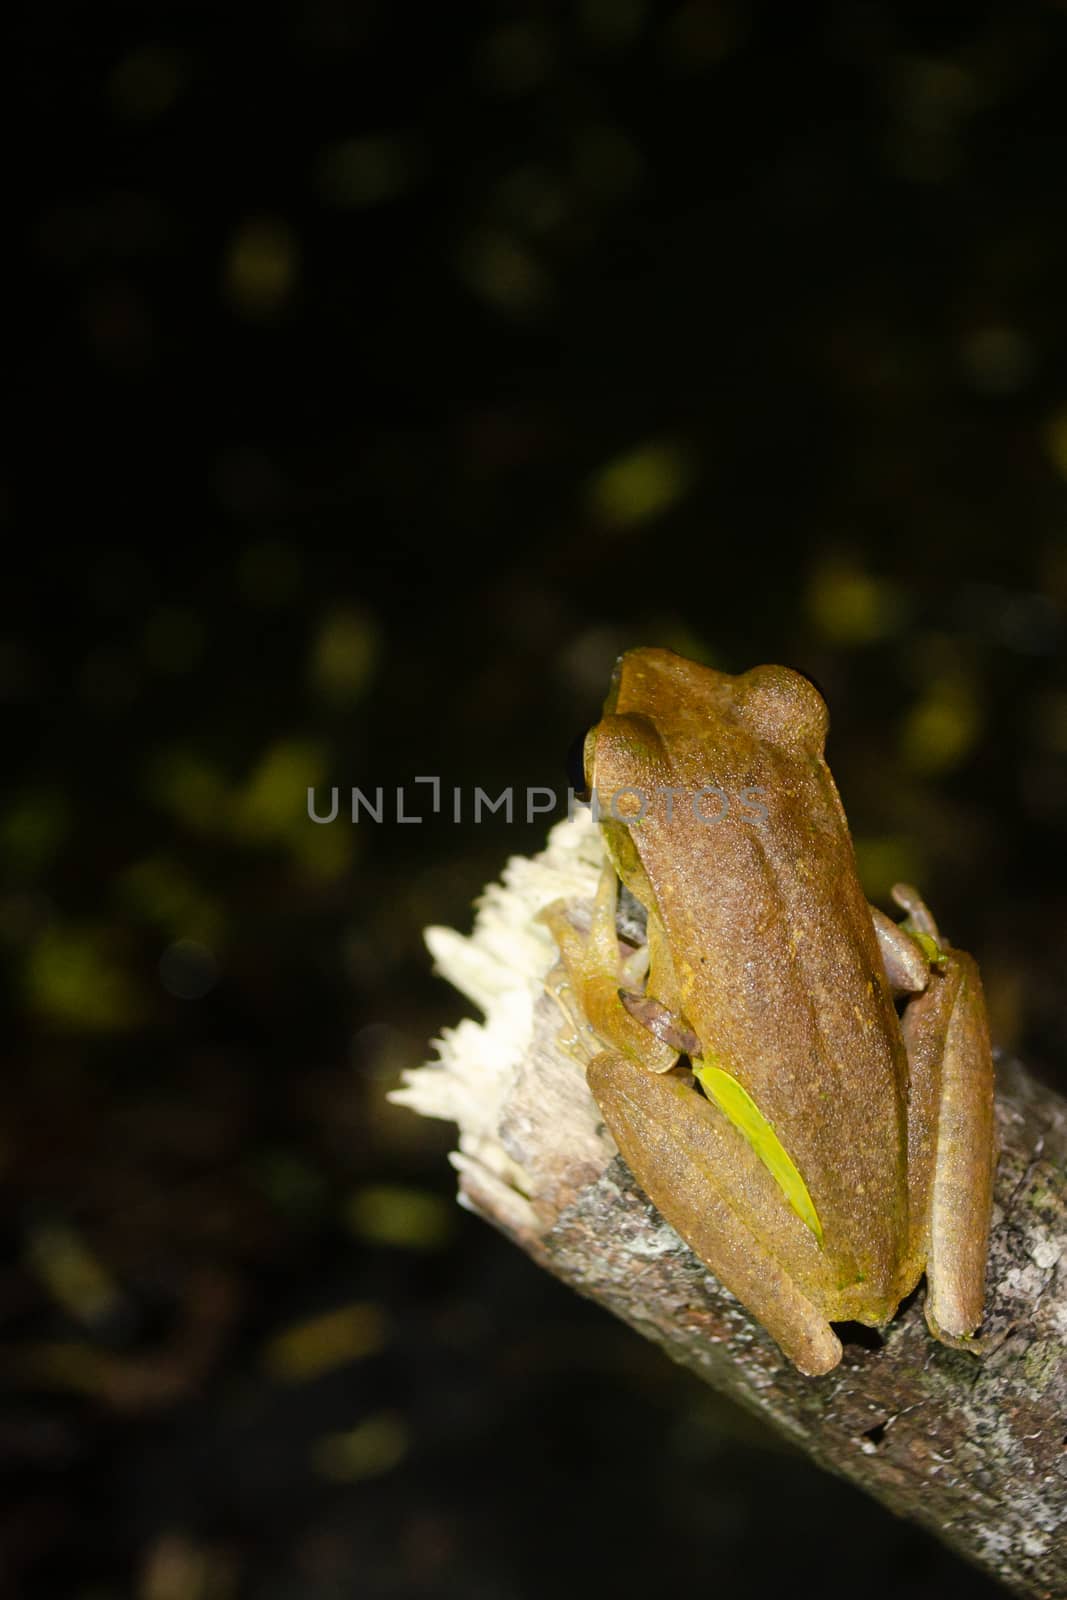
(608, 998)
(951, 1140)
(702, 1174)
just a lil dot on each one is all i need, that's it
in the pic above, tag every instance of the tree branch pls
(974, 1449)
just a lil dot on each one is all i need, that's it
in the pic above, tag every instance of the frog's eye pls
(783, 706)
(576, 766)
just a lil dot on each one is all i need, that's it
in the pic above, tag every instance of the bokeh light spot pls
(372, 1448)
(322, 1344)
(188, 970)
(514, 58)
(703, 33)
(261, 266)
(942, 728)
(612, 24)
(354, 173)
(33, 831)
(162, 893)
(1056, 440)
(185, 785)
(73, 980)
(853, 607)
(343, 656)
(394, 1214)
(998, 359)
(273, 803)
(641, 485)
(499, 270)
(146, 83)
(73, 1275)
(886, 860)
(324, 852)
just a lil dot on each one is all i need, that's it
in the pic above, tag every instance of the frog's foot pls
(577, 1038)
(965, 1341)
(599, 984)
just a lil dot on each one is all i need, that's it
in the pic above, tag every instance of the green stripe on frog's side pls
(739, 1106)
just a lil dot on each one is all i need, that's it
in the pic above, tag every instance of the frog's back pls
(781, 977)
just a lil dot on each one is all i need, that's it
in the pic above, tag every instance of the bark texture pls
(974, 1448)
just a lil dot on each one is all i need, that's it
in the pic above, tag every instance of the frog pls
(801, 1085)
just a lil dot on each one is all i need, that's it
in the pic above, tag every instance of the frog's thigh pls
(950, 1143)
(704, 1177)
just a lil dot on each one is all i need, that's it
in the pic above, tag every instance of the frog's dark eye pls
(576, 765)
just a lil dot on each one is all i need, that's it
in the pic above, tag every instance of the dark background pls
(390, 368)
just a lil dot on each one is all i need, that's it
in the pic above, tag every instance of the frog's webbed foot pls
(600, 981)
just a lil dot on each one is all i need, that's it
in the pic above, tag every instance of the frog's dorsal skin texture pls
(838, 1153)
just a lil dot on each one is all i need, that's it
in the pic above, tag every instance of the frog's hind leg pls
(704, 1177)
(950, 1143)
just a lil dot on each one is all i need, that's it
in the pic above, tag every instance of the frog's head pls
(681, 699)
